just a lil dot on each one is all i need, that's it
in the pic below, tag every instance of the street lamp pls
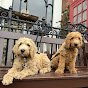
(25, 0)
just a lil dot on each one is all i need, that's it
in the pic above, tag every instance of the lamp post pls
(46, 4)
(20, 6)
(12, 4)
(26, 1)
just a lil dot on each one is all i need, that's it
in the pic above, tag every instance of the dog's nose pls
(22, 51)
(76, 44)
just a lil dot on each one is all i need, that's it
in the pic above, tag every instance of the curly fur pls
(35, 62)
(67, 58)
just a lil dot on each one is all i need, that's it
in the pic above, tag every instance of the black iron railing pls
(28, 24)
(14, 22)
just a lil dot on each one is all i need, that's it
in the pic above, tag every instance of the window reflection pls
(85, 4)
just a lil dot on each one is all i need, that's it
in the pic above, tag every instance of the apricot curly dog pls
(25, 48)
(67, 57)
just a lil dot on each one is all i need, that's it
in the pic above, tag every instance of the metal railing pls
(11, 22)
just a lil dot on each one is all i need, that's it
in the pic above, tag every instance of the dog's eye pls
(28, 45)
(72, 38)
(20, 44)
(79, 38)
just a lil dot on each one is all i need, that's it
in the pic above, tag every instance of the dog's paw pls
(7, 80)
(73, 71)
(45, 70)
(19, 75)
(58, 71)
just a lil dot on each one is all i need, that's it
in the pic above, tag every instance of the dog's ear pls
(67, 41)
(81, 41)
(15, 48)
(33, 49)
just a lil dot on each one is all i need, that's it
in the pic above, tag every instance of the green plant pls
(65, 17)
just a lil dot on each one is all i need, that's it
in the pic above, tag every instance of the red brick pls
(65, 4)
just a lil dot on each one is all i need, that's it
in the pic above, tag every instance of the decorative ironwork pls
(81, 28)
(11, 21)
(3, 12)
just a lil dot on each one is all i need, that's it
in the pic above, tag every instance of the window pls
(84, 15)
(79, 8)
(85, 4)
(75, 20)
(79, 18)
(85, 23)
(80, 13)
(75, 11)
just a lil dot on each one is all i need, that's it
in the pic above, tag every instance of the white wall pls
(0, 2)
(57, 11)
(6, 3)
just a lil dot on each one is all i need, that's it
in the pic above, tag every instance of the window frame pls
(74, 4)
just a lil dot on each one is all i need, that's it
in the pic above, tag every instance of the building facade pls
(57, 11)
(5, 3)
(39, 9)
(79, 11)
(65, 12)
(65, 4)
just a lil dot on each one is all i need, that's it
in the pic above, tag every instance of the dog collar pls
(25, 65)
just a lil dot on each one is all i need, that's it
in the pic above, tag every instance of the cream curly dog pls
(25, 48)
(67, 57)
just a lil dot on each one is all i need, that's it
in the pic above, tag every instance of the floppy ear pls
(33, 49)
(81, 40)
(15, 48)
(67, 41)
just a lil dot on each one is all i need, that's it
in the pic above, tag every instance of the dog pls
(67, 57)
(26, 54)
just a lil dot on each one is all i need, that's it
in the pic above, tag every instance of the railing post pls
(85, 53)
(9, 18)
(68, 27)
(2, 24)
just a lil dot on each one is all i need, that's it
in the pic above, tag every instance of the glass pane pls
(79, 8)
(75, 10)
(75, 20)
(85, 4)
(79, 18)
(85, 23)
(84, 15)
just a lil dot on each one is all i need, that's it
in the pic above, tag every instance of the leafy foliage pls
(65, 17)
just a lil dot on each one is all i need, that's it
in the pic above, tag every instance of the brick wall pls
(65, 13)
(65, 4)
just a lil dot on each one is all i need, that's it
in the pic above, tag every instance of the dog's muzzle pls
(76, 44)
(22, 51)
